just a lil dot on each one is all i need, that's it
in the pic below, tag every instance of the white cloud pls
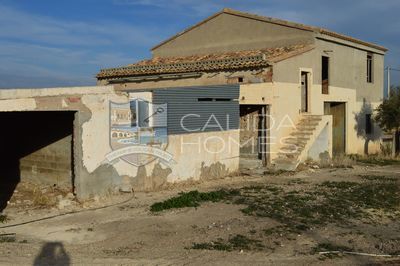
(20, 25)
(62, 51)
(197, 8)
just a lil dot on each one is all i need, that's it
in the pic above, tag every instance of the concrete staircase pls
(295, 147)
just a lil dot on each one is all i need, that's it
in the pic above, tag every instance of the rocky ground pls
(257, 218)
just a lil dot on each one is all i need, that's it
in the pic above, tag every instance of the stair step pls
(296, 143)
(289, 155)
(284, 161)
(311, 119)
(301, 133)
(311, 115)
(297, 146)
(291, 147)
(309, 122)
(293, 155)
(303, 138)
(299, 138)
(308, 127)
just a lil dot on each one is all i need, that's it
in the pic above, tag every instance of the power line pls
(394, 69)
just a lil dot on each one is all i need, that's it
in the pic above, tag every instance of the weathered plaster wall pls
(228, 32)
(197, 156)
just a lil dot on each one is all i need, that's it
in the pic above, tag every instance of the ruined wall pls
(41, 142)
(48, 160)
(196, 156)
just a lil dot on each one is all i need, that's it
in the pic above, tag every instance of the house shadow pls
(365, 125)
(52, 253)
(9, 178)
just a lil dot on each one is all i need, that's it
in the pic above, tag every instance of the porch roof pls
(206, 63)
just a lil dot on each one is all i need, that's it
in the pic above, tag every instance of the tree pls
(361, 126)
(388, 115)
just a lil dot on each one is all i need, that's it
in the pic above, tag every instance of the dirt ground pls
(244, 230)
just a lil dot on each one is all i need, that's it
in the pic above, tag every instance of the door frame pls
(345, 130)
(308, 89)
(263, 141)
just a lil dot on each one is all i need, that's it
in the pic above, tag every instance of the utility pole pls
(388, 80)
(389, 87)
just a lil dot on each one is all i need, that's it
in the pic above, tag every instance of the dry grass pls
(3, 218)
(42, 200)
(380, 160)
(238, 242)
(300, 207)
(342, 161)
(339, 161)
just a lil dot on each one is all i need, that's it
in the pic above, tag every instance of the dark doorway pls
(338, 112)
(36, 146)
(253, 136)
(304, 91)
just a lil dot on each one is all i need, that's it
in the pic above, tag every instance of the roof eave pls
(353, 40)
(112, 76)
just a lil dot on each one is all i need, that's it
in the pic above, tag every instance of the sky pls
(48, 43)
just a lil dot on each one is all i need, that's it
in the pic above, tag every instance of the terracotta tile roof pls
(206, 63)
(278, 22)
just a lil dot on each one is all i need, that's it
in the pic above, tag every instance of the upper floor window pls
(370, 64)
(325, 75)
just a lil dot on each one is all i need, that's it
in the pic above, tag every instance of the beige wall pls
(228, 32)
(348, 69)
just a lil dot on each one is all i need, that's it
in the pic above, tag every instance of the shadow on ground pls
(9, 181)
(52, 253)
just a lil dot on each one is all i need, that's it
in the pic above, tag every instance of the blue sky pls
(46, 43)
